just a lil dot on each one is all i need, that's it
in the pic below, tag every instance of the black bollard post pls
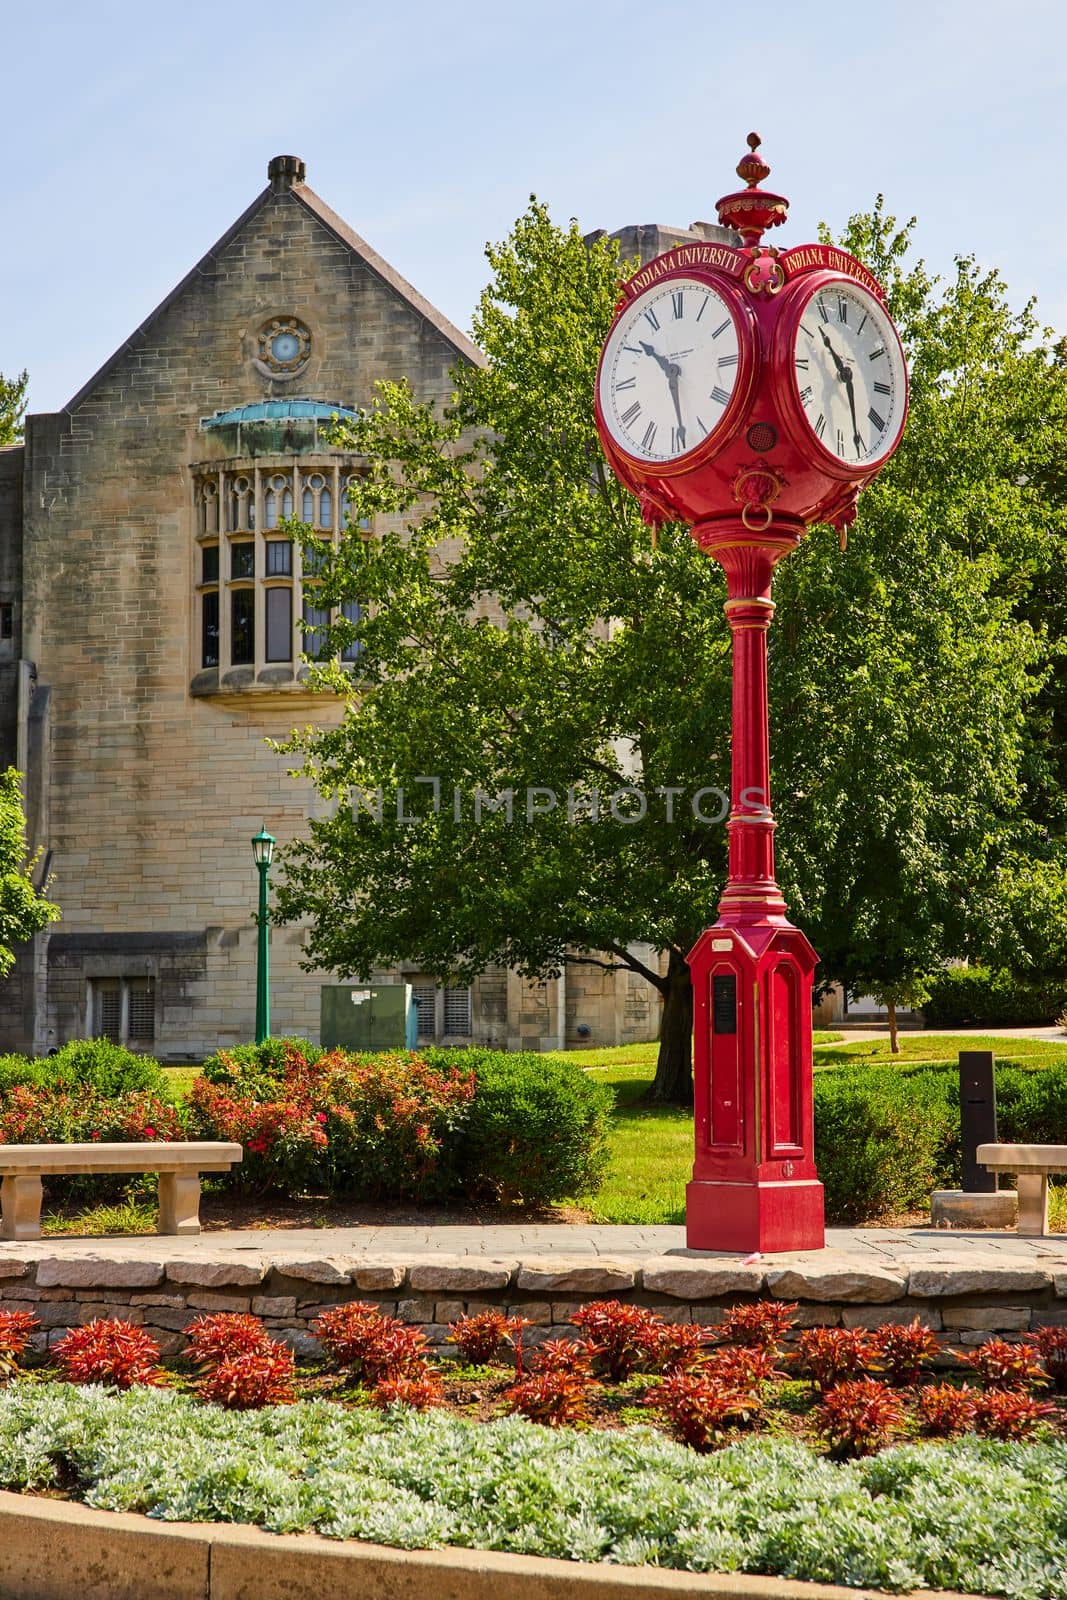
(978, 1118)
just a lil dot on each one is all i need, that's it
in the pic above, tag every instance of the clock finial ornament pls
(753, 210)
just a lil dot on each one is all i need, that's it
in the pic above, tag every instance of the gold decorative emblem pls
(763, 275)
(756, 488)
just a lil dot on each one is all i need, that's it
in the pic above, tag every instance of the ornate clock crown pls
(751, 211)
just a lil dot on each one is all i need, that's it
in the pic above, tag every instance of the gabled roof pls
(340, 230)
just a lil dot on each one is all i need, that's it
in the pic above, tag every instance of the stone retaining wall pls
(963, 1303)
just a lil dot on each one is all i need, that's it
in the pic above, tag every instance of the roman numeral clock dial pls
(669, 370)
(848, 369)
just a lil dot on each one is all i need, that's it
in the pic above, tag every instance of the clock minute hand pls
(856, 440)
(673, 374)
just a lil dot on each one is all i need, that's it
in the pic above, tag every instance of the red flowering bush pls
(252, 1379)
(1006, 1366)
(902, 1351)
(1051, 1346)
(764, 1323)
(1010, 1414)
(858, 1417)
(226, 1334)
(374, 1347)
(943, 1410)
(565, 1355)
(556, 1399)
(702, 1407)
(625, 1336)
(109, 1351)
(419, 1393)
(371, 1126)
(61, 1113)
(830, 1355)
(480, 1338)
(15, 1330)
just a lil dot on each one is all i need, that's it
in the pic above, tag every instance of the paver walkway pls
(907, 1247)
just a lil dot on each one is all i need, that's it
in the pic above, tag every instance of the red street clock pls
(751, 392)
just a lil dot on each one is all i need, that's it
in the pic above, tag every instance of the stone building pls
(149, 646)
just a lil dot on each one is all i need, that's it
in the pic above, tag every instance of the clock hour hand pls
(842, 370)
(650, 350)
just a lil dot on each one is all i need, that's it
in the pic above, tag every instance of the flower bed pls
(974, 1515)
(382, 1445)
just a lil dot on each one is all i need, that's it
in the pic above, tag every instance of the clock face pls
(850, 375)
(669, 369)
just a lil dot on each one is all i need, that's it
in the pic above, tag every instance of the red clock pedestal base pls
(754, 1181)
(767, 1216)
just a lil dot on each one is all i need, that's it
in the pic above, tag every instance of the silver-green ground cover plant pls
(975, 1515)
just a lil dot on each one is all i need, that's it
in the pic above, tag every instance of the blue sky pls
(137, 133)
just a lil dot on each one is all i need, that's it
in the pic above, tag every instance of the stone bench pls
(179, 1166)
(1031, 1164)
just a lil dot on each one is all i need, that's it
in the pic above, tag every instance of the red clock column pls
(777, 427)
(754, 1183)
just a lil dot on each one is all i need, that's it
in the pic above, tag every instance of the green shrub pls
(978, 997)
(108, 1068)
(884, 1139)
(1032, 1104)
(536, 1129)
(248, 1061)
(20, 1070)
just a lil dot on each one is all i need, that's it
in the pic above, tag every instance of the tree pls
(523, 632)
(12, 407)
(23, 909)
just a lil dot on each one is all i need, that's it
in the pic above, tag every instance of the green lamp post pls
(262, 854)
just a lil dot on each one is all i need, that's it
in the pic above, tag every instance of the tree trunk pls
(673, 1083)
(891, 1014)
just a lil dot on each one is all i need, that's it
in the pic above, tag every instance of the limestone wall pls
(963, 1303)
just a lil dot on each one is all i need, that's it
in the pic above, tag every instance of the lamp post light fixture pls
(262, 854)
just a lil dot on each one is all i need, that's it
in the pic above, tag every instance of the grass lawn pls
(926, 1047)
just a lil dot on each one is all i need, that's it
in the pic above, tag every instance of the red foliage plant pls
(479, 1338)
(575, 1356)
(624, 1335)
(944, 1410)
(762, 1324)
(1010, 1414)
(831, 1355)
(901, 1351)
(377, 1348)
(15, 1330)
(857, 1417)
(217, 1338)
(1006, 1366)
(419, 1393)
(743, 1367)
(252, 1379)
(556, 1399)
(1051, 1346)
(109, 1351)
(678, 1346)
(701, 1407)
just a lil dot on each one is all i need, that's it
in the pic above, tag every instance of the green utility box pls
(364, 1016)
